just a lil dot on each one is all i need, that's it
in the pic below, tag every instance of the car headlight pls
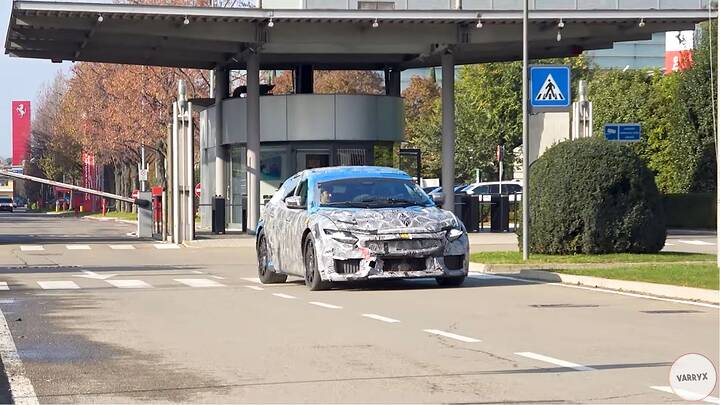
(341, 236)
(454, 234)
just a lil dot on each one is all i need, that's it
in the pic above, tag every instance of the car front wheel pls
(312, 276)
(265, 273)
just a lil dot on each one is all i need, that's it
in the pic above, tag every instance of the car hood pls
(390, 220)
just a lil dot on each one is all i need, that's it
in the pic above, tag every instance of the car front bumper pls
(394, 256)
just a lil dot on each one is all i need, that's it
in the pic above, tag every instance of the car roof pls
(490, 183)
(347, 172)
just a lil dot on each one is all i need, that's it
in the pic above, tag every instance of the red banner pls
(678, 50)
(20, 131)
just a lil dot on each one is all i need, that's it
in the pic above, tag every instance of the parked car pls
(6, 204)
(357, 223)
(438, 194)
(493, 187)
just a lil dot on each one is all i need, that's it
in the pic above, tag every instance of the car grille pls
(350, 266)
(454, 262)
(402, 246)
(405, 264)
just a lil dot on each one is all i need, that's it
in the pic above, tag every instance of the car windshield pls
(372, 193)
(5, 200)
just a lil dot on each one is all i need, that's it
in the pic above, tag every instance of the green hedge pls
(591, 196)
(693, 210)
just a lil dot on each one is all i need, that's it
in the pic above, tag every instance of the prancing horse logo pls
(21, 110)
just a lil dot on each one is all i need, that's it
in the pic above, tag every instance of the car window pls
(481, 190)
(371, 193)
(302, 192)
(5, 200)
(288, 188)
(493, 188)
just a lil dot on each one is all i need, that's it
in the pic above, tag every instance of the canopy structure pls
(328, 38)
(333, 34)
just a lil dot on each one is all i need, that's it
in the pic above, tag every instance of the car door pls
(275, 221)
(295, 223)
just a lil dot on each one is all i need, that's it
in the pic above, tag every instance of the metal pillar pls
(525, 137)
(304, 79)
(175, 179)
(253, 141)
(220, 89)
(189, 233)
(448, 130)
(393, 83)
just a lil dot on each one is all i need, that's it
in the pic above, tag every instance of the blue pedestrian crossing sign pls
(550, 88)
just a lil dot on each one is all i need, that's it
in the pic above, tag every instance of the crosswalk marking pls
(162, 246)
(4, 285)
(254, 287)
(122, 247)
(557, 362)
(286, 296)
(58, 285)
(324, 305)
(452, 336)
(128, 283)
(669, 244)
(31, 248)
(77, 247)
(380, 318)
(199, 282)
(695, 242)
(669, 390)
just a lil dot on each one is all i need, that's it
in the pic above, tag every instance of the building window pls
(351, 157)
(376, 5)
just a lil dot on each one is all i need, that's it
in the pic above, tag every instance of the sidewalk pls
(652, 289)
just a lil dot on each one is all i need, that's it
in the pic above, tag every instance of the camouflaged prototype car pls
(356, 222)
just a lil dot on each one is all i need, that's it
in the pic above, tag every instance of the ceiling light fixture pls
(479, 23)
(559, 36)
(375, 23)
(271, 23)
(641, 23)
(100, 18)
(561, 24)
(186, 21)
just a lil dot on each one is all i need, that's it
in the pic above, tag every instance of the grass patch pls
(662, 257)
(685, 275)
(130, 216)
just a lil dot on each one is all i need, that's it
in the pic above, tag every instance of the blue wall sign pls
(623, 132)
(550, 88)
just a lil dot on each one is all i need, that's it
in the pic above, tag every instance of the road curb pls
(221, 243)
(105, 219)
(657, 290)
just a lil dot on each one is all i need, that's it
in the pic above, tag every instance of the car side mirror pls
(438, 199)
(294, 202)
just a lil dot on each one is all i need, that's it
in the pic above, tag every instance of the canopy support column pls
(220, 89)
(253, 141)
(448, 130)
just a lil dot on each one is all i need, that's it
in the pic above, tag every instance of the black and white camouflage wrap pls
(383, 234)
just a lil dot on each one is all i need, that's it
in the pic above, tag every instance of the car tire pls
(455, 281)
(313, 280)
(265, 273)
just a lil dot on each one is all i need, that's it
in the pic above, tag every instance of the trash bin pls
(218, 215)
(472, 217)
(499, 213)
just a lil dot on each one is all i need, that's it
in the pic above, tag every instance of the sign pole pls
(525, 138)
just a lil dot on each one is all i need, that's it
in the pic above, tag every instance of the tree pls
(422, 124)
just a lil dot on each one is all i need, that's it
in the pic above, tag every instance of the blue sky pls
(22, 79)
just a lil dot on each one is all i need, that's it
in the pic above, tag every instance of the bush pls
(592, 196)
(693, 210)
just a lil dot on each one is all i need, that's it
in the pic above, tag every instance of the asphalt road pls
(94, 322)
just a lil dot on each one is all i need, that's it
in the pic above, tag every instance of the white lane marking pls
(93, 275)
(77, 247)
(380, 318)
(287, 296)
(199, 282)
(4, 285)
(122, 247)
(254, 287)
(128, 283)
(163, 246)
(580, 287)
(669, 390)
(252, 279)
(695, 242)
(218, 277)
(196, 272)
(324, 305)
(31, 248)
(21, 389)
(58, 285)
(452, 336)
(557, 362)
(669, 244)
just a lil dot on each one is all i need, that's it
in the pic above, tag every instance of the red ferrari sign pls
(20, 131)
(197, 190)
